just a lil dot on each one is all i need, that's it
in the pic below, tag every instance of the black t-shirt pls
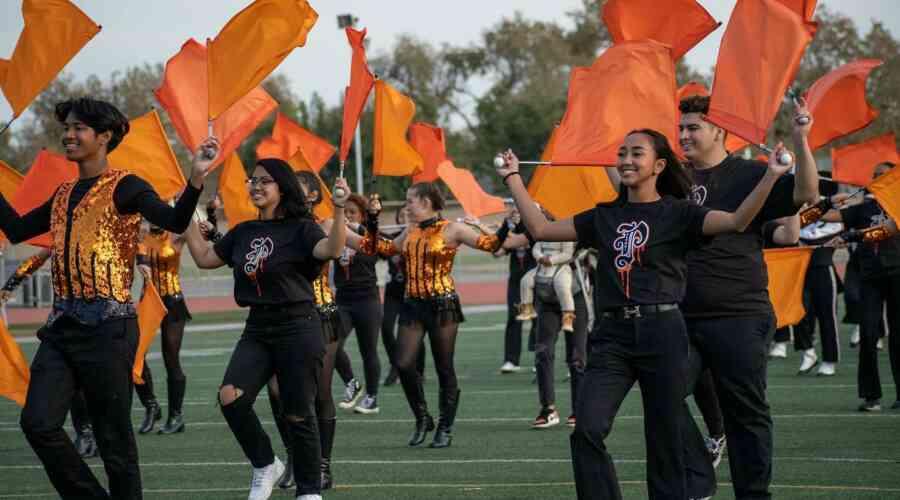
(521, 260)
(881, 258)
(642, 248)
(354, 276)
(727, 274)
(273, 260)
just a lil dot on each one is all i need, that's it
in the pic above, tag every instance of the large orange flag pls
(787, 267)
(758, 58)
(323, 210)
(682, 24)
(150, 312)
(252, 45)
(55, 30)
(288, 137)
(184, 95)
(146, 152)
(10, 180)
(838, 102)
(393, 114)
(733, 143)
(887, 191)
(428, 141)
(566, 191)
(855, 164)
(361, 82)
(233, 190)
(803, 8)
(48, 171)
(630, 86)
(14, 372)
(468, 192)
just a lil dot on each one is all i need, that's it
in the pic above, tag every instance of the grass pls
(824, 449)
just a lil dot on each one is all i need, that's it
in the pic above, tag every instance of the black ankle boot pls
(287, 479)
(326, 439)
(152, 414)
(174, 424)
(424, 425)
(449, 402)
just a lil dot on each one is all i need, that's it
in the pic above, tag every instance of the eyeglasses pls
(259, 181)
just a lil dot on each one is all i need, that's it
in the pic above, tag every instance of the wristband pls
(507, 176)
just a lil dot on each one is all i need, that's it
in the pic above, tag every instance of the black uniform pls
(520, 262)
(820, 291)
(394, 293)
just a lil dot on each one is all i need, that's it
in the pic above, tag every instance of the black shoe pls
(174, 424)
(286, 481)
(391, 378)
(326, 481)
(152, 414)
(85, 443)
(424, 425)
(449, 402)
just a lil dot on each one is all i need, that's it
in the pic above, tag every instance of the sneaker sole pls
(808, 370)
(366, 411)
(349, 405)
(545, 426)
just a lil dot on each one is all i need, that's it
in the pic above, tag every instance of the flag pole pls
(6, 127)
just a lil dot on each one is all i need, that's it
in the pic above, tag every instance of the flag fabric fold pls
(786, 269)
(758, 58)
(14, 372)
(887, 191)
(47, 172)
(838, 102)
(55, 31)
(10, 180)
(475, 202)
(356, 94)
(252, 45)
(428, 141)
(150, 312)
(288, 137)
(804, 8)
(146, 152)
(855, 164)
(682, 24)
(234, 193)
(393, 114)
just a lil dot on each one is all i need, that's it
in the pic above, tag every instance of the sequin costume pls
(164, 260)
(26, 269)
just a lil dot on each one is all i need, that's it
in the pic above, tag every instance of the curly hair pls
(98, 115)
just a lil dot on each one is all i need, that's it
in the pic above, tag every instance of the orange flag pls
(787, 267)
(887, 191)
(150, 311)
(10, 180)
(252, 45)
(803, 8)
(682, 24)
(146, 152)
(428, 141)
(468, 192)
(184, 94)
(566, 191)
(630, 86)
(838, 102)
(48, 171)
(758, 58)
(393, 114)
(732, 142)
(233, 190)
(288, 137)
(361, 82)
(55, 30)
(14, 372)
(323, 210)
(855, 164)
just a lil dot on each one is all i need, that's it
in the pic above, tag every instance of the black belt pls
(260, 311)
(629, 312)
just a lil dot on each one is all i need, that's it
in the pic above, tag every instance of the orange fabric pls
(150, 312)
(758, 58)
(838, 103)
(787, 267)
(288, 137)
(55, 30)
(14, 372)
(356, 94)
(887, 191)
(565, 191)
(855, 164)
(184, 95)
(475, 202)
(630, 86)
(803, 8)
(733, 143)
(48, 171)
(428, 141)
(393, 114)
(252, 45)
(233, 190)
(146, 152)
(682, 24)
(323, 210)
(10, 180)
(691, 89)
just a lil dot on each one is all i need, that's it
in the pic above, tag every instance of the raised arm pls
(332, 246)
(201, 250)
(806, 182)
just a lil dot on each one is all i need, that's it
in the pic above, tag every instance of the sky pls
(139, 31)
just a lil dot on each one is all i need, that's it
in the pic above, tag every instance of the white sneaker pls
(309, 497)
(809, 361)
(854, 337)
(779, 350)
(508, 367)
(826, 369)
(264, 480)
(880, 344)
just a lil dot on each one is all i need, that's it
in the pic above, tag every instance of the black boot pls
(175, 422)
(286, 481)
(449, 402)
(424, 425)
(415, 396)
(326, 439)
(152, 414)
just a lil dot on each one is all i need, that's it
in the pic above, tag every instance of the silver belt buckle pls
(631, 312)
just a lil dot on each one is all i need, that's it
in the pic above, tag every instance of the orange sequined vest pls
(164, 261)
(429, 262)
(100, 247)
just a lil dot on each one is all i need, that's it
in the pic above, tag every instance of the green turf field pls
(824, 449)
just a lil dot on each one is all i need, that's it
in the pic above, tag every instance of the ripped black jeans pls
(292, 350)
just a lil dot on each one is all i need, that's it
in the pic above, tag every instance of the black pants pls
(735, 350)
(820, 292)
(81, 418)
(512, 337)
(784, 334)
(291, 350)
(652, 350)
(98, 361)
(364, 316)
(549, 322)
(879, 296)
(391, 314)
(708, 404)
